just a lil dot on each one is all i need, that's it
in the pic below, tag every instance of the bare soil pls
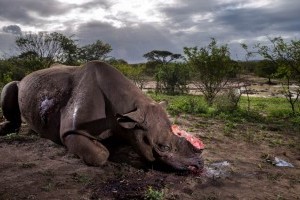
(35, 168)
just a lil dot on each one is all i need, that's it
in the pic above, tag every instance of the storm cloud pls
(136, 27)
(14, 29)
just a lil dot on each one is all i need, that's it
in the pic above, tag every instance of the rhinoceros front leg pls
(81, 121)
(89, 150)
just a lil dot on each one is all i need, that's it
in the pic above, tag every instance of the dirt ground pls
(35, 168)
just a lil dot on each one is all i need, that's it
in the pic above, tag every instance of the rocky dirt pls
(238, 166)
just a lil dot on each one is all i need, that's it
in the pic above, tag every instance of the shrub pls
(152, 194)
(172, 78)
(227, 101)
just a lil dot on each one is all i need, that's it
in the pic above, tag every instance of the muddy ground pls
(35, 168)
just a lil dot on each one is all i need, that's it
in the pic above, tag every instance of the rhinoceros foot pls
(90, 151)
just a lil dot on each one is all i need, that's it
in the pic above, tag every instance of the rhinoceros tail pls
(10, 109)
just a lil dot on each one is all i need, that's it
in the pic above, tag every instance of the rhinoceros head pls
(154, 139)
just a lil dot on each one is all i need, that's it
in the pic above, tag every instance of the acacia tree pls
(170, 77)
(286, 57)
(212, 68)
(161, 57)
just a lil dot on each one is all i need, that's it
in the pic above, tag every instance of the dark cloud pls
(14, 29)
(265, 20)
(236, 16)
(186, 23)
(129, 43)
(96, 3)
(23, 12)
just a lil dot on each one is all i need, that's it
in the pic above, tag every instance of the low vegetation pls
(267, 108)
(268, 120)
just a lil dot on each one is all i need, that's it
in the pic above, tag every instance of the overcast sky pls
(135, 27)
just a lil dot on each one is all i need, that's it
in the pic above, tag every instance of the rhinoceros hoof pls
(90, 151)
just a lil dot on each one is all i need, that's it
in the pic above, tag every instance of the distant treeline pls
(209, 68)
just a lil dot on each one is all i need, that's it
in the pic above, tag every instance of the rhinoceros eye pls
(163, 147)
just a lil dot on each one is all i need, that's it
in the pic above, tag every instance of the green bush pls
(172, 78)
(228, 101)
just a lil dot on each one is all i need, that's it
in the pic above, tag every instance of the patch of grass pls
(12, 137)
(81, 178)
(28, 165)
(228, 129)
(250, 136)
(212, 196)
(274, 176)
(152, 194)
(268, 114)
(189, 104)
(48, 187)
(47, 173)
(280, 197)
(271, 106)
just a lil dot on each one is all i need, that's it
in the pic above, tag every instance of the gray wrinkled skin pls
(75, 105)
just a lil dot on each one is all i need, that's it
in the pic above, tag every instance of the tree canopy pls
(162, 57)
(56, 47)
(212, 67)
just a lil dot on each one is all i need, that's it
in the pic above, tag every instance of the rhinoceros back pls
(41, 96)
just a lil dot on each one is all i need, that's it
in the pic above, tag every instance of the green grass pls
(13, 137)
(81, 178)
(271, 107)
(152, 194)
(260, 108)
(179, 104)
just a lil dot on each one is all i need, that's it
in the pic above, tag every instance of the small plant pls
(27, 165)
(228, 129)
(48, 187)
(250, 136)
(152, 194)
(228, 101)
(47, 173)
(80, 178)
(17, 137)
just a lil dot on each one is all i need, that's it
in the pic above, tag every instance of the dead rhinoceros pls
(79, 106)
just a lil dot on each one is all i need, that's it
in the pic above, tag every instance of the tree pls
(9, 72)
(158, 58)
(158, 64)
(49, 47)
(161, 57)
(95, 51)
(286, 57)
(212, 68)
(266, 69)
(136, 73)
(173, 78)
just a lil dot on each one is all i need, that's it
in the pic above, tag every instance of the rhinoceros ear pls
(131, 120)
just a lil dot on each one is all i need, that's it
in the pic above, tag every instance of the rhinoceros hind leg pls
(10, 109)
(90, 151)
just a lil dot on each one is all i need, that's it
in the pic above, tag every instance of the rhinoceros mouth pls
(195, 169)
(193, 165)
